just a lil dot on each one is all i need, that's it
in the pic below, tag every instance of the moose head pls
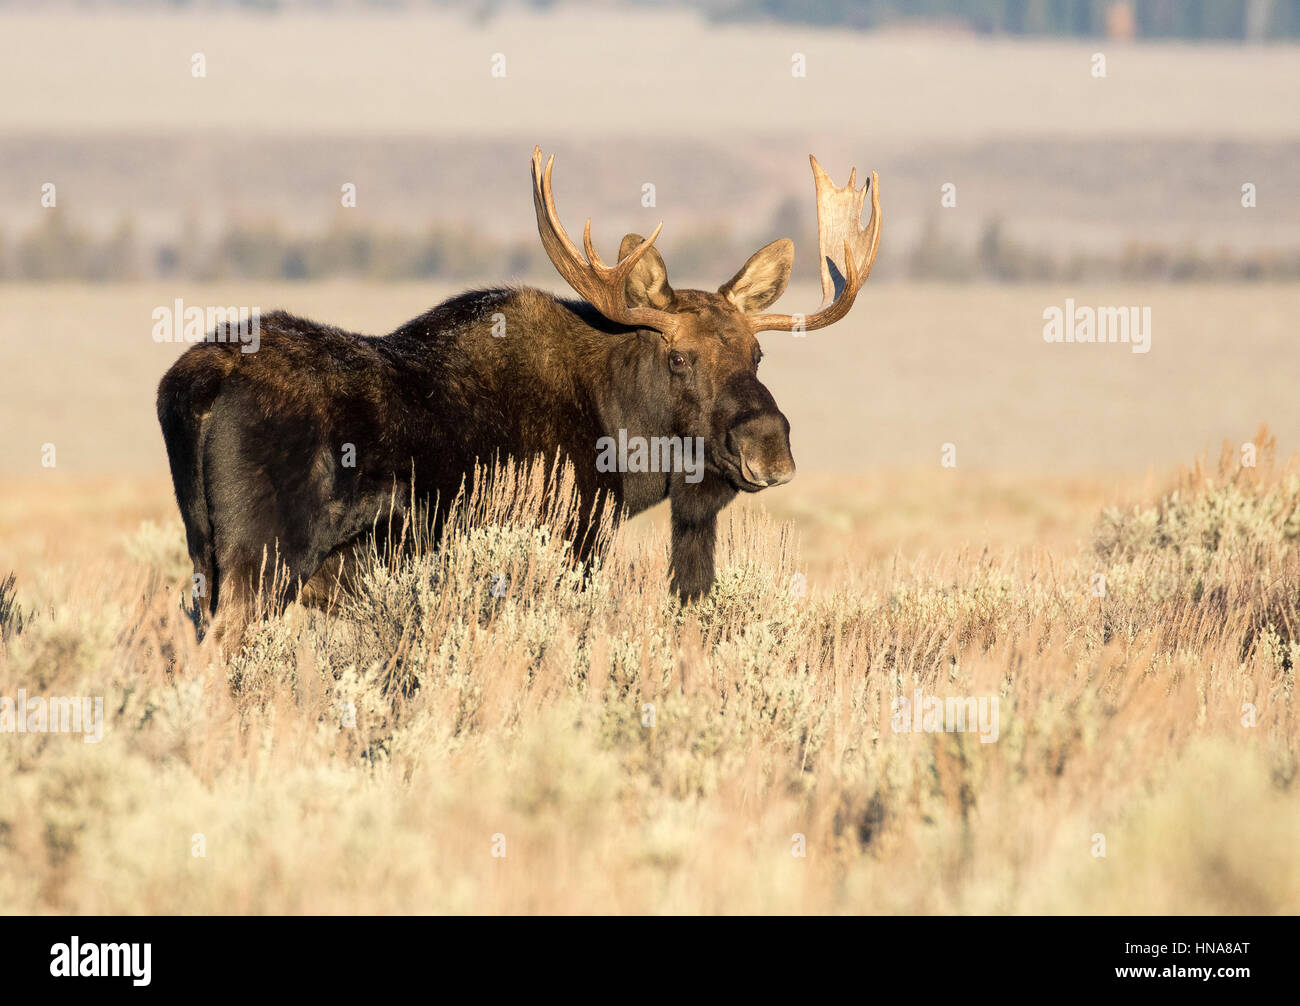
(704, 371)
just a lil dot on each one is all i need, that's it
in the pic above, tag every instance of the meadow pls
(480, 730)
(428, 746)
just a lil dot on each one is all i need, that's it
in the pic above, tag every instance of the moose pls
(255, 440)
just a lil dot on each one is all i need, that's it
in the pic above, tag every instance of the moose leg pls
(336, 577)
(252, 583)
(695, 526)
(330, 582)
(234, 600)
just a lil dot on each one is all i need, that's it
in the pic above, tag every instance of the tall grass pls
(487, 694)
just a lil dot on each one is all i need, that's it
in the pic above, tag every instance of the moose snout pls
(762, 445)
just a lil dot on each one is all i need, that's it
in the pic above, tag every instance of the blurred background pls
(1137, 153)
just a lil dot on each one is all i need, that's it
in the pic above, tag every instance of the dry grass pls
(368, 760)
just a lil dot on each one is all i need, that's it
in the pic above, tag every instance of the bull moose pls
(254, 439)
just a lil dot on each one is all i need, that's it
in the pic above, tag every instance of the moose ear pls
(763, 278)
(647, 285)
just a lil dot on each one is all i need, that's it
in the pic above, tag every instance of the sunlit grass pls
(629, 755)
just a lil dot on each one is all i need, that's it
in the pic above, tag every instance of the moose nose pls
(763, 446)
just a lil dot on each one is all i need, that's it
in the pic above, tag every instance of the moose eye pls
(677, 360)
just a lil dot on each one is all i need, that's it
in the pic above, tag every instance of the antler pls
(604, 286)
(839, 213)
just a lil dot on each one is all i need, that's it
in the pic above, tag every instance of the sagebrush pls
(486, 727)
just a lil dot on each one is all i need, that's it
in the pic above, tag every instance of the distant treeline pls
(1254, 20)
(55, 249)
(1001, 258)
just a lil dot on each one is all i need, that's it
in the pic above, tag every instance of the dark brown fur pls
(256, 440)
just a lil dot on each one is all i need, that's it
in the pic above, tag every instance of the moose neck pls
(632, 410)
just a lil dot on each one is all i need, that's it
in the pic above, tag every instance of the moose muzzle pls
(761, 445)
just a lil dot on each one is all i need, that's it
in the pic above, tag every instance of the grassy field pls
(630, 756)
(429, 747)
